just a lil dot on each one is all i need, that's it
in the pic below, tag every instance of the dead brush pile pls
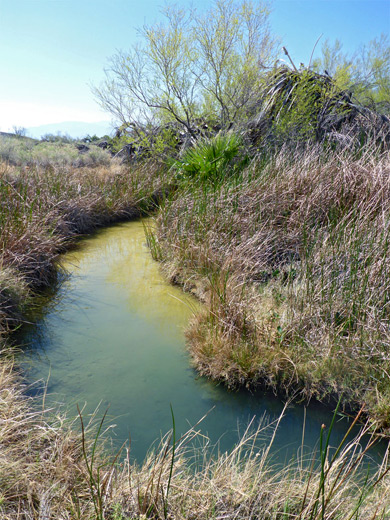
(297, 106)
(292, 260)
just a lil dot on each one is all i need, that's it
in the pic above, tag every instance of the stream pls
(112, 337)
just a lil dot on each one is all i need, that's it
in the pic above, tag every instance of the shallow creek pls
(113, 336)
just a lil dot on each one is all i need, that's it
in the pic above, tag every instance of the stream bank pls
(113, 338)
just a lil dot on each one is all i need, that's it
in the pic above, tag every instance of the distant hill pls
(72, 128)
(14, 136)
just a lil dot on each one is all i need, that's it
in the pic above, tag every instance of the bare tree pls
(235, 46)
(191, 65)
(20, 131)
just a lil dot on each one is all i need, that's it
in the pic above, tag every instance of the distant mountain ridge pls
(74, 129)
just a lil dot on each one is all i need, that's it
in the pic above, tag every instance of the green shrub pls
(212, 160)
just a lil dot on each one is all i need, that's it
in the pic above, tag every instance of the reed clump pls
(40, 463)
(291, 257)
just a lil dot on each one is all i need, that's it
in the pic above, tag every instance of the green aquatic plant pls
(152, 241)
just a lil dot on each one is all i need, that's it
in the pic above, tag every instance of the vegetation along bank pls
(271, 193)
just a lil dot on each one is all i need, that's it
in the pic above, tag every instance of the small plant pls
(19, 131)
(100, 474)
(152, 242)
(212, 160)
(150, 498)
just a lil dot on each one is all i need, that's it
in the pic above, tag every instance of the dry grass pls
(293, 263)
(49, 471)
(40, 462)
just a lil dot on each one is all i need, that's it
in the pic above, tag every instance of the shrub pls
(21, 152)
(212, 160)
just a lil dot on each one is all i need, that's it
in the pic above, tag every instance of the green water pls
(113, 337)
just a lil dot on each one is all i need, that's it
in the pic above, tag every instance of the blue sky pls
(51, 50)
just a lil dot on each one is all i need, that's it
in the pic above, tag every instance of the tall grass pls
(293, 264)
(42, 209)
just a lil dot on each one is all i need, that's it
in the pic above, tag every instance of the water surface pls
(113, 337)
